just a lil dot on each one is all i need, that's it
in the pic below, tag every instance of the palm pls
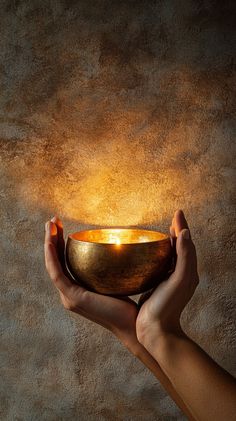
(155, 305)
(116, 314)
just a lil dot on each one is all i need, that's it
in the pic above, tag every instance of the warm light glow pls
(116, 178)
(114, 239)
(117, 241)
(118, 236)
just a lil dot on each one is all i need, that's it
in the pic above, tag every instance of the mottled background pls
(111, 113)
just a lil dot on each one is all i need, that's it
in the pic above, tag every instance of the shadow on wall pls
(104, 48)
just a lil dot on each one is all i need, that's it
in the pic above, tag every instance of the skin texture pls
(162, 310)
(115, 314)
(151, 330)
(207, 389)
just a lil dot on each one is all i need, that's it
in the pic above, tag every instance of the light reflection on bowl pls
(119, 261)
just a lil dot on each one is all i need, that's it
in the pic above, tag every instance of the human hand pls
(121, 315)
(161, 312)
(116, 314)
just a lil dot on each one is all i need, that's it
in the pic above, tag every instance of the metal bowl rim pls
(166, 239)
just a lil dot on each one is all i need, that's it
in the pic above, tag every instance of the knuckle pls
(64, 302)
(82, 300)
(82, 295)
(56, 278)
(67, 306)
(67, 303)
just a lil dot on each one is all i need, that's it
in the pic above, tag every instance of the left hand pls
(161, 312)
(116, 314)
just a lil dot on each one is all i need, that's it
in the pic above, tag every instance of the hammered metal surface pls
(124, 269)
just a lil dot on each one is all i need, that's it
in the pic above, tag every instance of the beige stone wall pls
(111, 113)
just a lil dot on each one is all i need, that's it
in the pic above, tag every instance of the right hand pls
(161, 312)
(116, 314)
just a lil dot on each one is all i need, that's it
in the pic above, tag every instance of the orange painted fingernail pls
(53, 228)
(56, 220)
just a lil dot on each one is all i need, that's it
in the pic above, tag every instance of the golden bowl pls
(119, 262)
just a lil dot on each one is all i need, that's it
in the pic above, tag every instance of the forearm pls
(207, 389)
(139, 351)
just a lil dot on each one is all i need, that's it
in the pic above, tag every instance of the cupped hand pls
(161, 312)
(116, 314)
(129, 322)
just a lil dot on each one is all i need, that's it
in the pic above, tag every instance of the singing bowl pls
(141, 260)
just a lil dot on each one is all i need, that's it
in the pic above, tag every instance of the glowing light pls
(113, 239)
(143, 239)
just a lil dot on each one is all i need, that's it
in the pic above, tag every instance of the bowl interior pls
(118, 236)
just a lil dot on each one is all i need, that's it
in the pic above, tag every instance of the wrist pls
(152, 336)
(130, 341)
(152, 363)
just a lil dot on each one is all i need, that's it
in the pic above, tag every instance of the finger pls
(52, 263)
(61, 246)
(172, 231)
(173, 244)
(180, 222)
(60, 239)
(51, 232)
(57, 221)
(186, 265)
(61, 282)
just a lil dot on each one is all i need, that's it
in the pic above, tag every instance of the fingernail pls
(54, 219)
(186, 234)
(47, 226)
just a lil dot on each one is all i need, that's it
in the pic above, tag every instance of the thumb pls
(185, 255)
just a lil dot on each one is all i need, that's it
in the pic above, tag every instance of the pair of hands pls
(132, 323)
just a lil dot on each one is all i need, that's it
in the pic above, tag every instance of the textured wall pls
(111, 112)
